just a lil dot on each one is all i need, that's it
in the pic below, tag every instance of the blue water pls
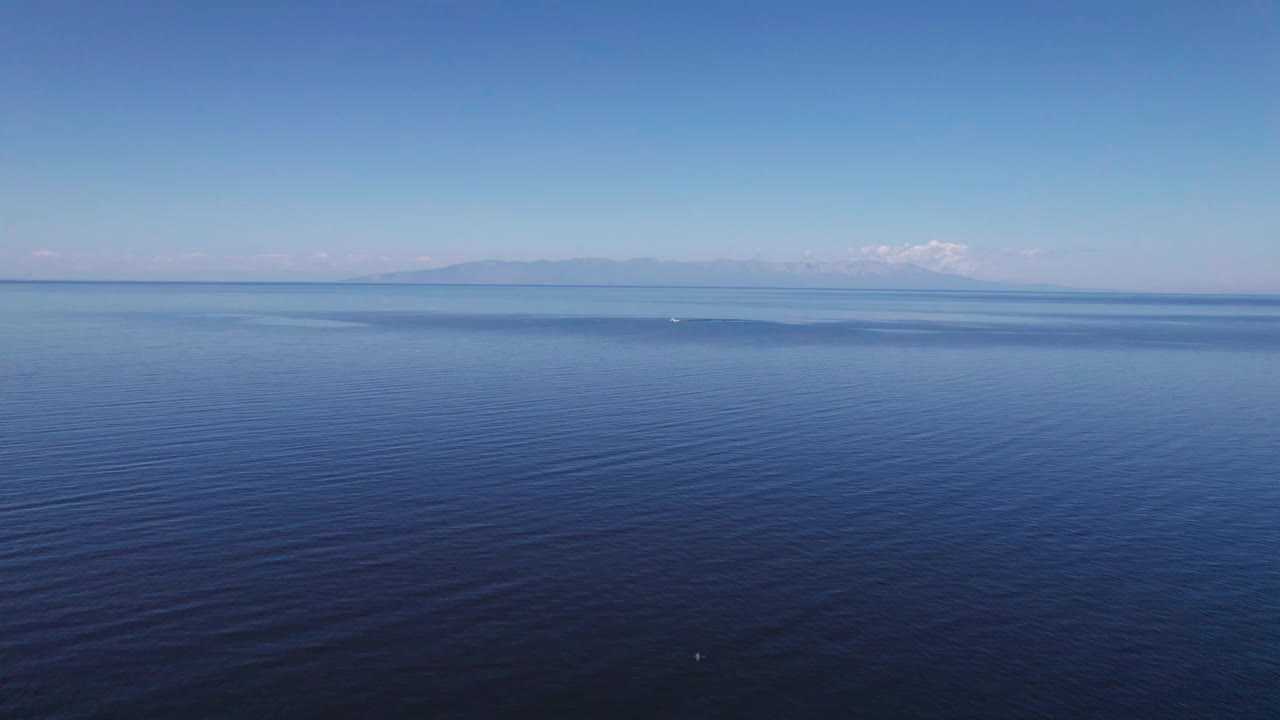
(367, 501)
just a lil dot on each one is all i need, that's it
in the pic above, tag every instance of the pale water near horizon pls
(222, 500)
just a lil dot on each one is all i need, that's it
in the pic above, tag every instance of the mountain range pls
(712, 273)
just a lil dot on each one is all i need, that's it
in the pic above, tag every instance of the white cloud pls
(46, 254)
(1022, 252)
(934, 255)
(425, 259)
(320, 255)
(959, 259)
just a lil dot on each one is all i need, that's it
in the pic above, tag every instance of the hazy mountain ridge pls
(711, 273)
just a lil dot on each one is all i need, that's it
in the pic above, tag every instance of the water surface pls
(373, 501)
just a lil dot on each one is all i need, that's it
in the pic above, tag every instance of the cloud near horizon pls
(934, 255)
(948, 257)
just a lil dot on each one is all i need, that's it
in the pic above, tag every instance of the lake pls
(309, 500)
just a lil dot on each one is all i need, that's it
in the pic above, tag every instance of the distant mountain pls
(712, 273)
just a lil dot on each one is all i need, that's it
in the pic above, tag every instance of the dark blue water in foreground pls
(359, 501)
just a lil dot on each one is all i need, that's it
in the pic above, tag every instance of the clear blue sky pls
(1111, 144)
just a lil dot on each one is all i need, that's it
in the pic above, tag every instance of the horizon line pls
(356, 282)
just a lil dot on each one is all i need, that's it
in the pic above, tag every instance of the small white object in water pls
(697, 656)
(675, 319)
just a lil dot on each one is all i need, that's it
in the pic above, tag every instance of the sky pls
(1126, 145)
